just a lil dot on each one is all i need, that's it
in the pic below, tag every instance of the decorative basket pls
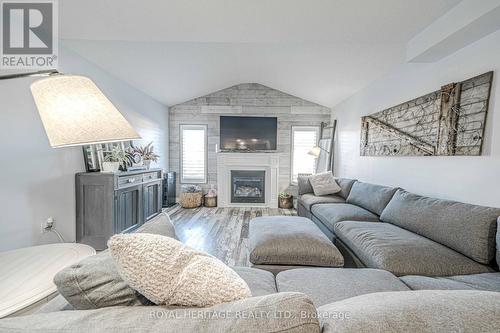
(210, 201)
(286, 202)
(191, 200)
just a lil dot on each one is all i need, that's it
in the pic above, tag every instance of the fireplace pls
(248, 186)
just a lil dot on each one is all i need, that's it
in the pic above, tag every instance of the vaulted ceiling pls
(175, 50)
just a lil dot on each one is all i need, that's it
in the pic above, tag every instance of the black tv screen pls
(248, 133)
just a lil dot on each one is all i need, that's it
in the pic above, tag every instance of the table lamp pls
(315, 151)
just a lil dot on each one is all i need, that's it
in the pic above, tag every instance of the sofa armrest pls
(280, 312)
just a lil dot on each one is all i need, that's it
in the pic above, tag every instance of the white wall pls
(469, 179)
(37, 181)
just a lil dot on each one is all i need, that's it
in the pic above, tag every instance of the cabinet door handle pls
(131, 180)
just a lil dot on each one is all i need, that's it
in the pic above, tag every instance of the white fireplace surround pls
(268, 162)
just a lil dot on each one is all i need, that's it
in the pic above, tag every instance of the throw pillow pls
(324, 183)
(304, 186)
(168, 272)
(95, 282)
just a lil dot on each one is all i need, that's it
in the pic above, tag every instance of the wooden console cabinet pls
(107, 203)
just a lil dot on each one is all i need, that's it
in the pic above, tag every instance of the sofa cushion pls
(426, 311)
(308, 200)
(330, 214)
(346, 186)
(370, 196)
(298, 315)
(304, 185)
(485, 281)
(386, 246)
(290, 240)
(468, 229)
(159, 225)
(95, 282)
(259, 281)
(327, 285)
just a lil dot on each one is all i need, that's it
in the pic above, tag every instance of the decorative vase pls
(110, 166)
(286, 202)
(147, 164)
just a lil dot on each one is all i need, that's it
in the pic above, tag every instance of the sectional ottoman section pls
(277, 243)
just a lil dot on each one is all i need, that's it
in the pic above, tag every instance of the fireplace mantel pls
(268, 162)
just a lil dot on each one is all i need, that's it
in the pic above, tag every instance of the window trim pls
(182, 127)
(292, 145)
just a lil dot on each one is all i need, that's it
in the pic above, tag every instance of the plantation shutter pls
(193, 153)
(303, 140)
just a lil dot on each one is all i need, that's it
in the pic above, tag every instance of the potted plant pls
(113, 160)
(147, 153)
(285, 200)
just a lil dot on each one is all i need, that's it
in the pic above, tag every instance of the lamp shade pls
(75, 112)
(315, 151)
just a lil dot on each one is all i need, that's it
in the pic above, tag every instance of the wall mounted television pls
(248, 133)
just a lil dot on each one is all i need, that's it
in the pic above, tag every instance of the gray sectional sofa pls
(429, 242)
(417, 260)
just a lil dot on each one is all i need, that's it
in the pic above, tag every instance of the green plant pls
(146, 152)
(116, 155)
(130, 156)
(283, 195)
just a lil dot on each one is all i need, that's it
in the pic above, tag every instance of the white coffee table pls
(26, 274)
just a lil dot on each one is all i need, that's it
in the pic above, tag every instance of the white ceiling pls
(175, 50)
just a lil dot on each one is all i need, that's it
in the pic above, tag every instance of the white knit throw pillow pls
(168, 272)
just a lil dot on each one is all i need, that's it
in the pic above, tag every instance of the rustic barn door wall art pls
(450, 122)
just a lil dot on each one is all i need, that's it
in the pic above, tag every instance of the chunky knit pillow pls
(324, 183)
(168, 272)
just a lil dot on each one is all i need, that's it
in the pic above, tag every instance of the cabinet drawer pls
(151, 176)
(129, 180)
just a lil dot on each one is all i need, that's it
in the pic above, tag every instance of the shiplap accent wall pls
(247, 99)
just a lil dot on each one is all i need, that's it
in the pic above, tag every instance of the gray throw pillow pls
(324, 184)
(95, 281)
(304, 184)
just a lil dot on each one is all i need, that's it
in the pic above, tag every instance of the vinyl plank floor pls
(222, 232)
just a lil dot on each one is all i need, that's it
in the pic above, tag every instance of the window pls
(304, 138)
(193, 153)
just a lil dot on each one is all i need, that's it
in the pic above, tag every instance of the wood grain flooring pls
(222, 232)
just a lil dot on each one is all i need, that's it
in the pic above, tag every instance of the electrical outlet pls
(47, 225)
